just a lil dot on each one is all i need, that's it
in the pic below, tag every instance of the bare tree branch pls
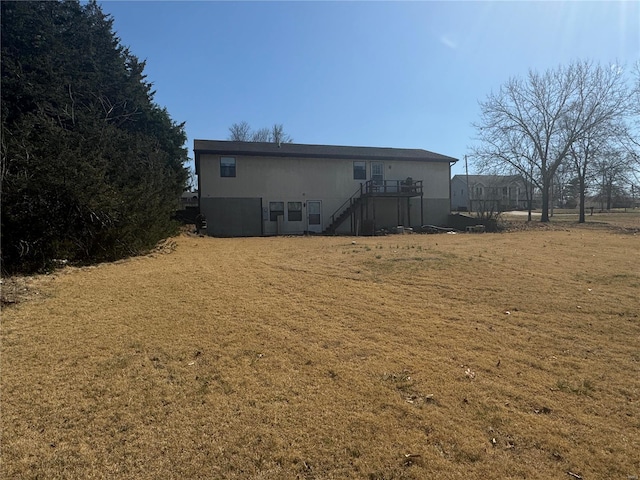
(242, 132)
(261, 135)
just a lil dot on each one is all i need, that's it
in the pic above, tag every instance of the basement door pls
(314, 216)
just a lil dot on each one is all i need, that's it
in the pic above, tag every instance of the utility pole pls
(466, 167)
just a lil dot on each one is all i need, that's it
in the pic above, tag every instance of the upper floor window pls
(359, 170)
(227, 166)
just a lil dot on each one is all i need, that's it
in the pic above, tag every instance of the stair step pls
(345, 213)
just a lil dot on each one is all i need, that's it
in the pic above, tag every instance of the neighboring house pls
(254, 188)
(497, 193)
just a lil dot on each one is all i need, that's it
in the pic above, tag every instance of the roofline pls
(488, 176)
(328, 156)
(350, 156)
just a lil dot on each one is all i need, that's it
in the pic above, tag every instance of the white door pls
(314, 216)
(377, 175)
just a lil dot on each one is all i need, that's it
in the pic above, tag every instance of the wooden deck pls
(392, 188)
(359, 201)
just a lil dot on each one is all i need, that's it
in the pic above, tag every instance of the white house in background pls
(254, 188)
(497, 193)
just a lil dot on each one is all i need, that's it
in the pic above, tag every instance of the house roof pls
(489, 179)
(299, 150)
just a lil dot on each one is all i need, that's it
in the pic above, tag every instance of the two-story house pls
(254, 188)
(495, 193)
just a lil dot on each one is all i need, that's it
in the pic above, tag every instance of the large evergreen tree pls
(91, 167)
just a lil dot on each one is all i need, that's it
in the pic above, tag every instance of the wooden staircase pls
(383, 188)
(353, 204)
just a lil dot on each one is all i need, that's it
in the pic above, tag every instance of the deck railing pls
(393, 187)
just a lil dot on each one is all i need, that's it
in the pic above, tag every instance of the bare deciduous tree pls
(261, 135)
(242, 132)
(192, 178)
(634, 129)
(543, 116)
(611, 171)
(602, 91)
(508, 154)
(588, 156)
(278, 134)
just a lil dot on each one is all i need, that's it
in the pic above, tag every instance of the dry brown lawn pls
(511, 355)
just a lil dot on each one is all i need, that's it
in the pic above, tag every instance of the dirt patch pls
(619, 222)
(18, 289)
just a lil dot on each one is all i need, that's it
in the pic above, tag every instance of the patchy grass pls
(411, 356)
(620, 219)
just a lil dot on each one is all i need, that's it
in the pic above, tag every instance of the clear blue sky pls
(386, 74)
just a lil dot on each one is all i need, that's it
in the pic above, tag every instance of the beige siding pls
(328, 180)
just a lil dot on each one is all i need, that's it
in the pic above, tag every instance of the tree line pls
(578, 122)
(242, 132)
(92, 168)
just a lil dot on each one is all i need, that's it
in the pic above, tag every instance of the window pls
(479, 191)
(359, 170)
(227, 166)
(275, 209)
(294, 211)
(505, 191)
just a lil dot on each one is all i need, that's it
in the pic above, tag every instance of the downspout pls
(196, 155)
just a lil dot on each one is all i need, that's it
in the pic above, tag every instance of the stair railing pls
(351, 200)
